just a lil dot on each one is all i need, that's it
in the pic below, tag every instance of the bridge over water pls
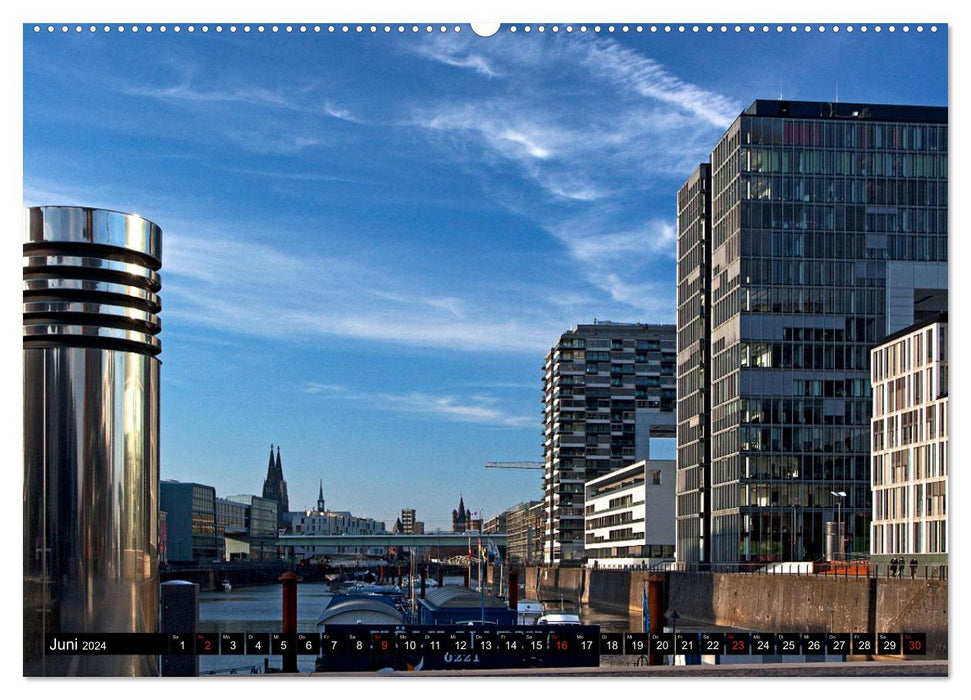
(435, 539)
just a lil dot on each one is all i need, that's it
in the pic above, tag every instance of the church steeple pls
(320, 498)
(275, 486)
(461, 517)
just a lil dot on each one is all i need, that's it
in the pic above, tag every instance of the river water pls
(260, 609)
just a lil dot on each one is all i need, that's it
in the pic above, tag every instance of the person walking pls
(913, 567)
(893, 567)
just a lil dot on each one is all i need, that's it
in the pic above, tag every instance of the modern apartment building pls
(909, 456)
(814, 231)
(313, 522)
(495, 524)
(608, 389)
(523, 533)
(630, 515)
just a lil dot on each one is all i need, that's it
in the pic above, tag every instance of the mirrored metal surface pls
(39, 265)
(91, 425)
(93, 226)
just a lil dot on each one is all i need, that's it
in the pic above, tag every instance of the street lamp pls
(839, 519)
(673, 616)
(796, 555)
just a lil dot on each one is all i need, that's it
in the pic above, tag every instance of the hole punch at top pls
(485, 29)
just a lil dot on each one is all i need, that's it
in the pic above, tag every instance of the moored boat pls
(528, 612)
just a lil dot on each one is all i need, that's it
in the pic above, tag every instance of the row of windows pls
(614, 535)
(844, 190)
(842, 162)
(843, 134)
(767, 355)
(905, 392)
(692, 291)
(804, 274)
(726, 469)
(691, 192)
(832, 388)
(842, 217)
(898, 502)
(909, 352)
(724, 443)
(691, 249)
(791, 411)
(798, 495)
(652, 551)
(803, 439)
(911, 538)
(807, 467)
(621, 518)
(725, 309)
(910, 464)
(692, 447)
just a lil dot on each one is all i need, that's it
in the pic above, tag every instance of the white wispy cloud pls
(623, 263)
(646, 77)
(266, 140)
(482, 410)
(317, 388)
(459, 55)
(612, 249)
(597, 128)
(477, 409)
(190, 89)
(331, 109)
(230, 283)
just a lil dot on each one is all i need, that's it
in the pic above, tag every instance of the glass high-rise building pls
(815, 230)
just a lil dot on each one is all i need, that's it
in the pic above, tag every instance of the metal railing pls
(852, 568)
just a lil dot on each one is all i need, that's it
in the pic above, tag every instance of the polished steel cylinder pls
(91, 426)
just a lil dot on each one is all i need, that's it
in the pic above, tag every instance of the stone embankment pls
(766, 603)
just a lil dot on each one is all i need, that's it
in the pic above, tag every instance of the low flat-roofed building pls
(629, 515)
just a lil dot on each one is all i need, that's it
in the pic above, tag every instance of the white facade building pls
(328, 522)
(909, 445)
(629, 515)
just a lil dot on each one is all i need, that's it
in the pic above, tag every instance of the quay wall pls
(611, 590)
(766, 602)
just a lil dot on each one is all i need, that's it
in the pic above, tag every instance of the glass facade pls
(693, 451)
(811, 204)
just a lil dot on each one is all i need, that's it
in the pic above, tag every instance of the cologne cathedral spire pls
(275, 486)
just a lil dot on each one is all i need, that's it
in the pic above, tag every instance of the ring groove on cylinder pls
(90, 279)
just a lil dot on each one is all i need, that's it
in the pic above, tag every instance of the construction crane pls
(515, 465)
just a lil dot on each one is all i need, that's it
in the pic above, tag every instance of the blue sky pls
(371, 240)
